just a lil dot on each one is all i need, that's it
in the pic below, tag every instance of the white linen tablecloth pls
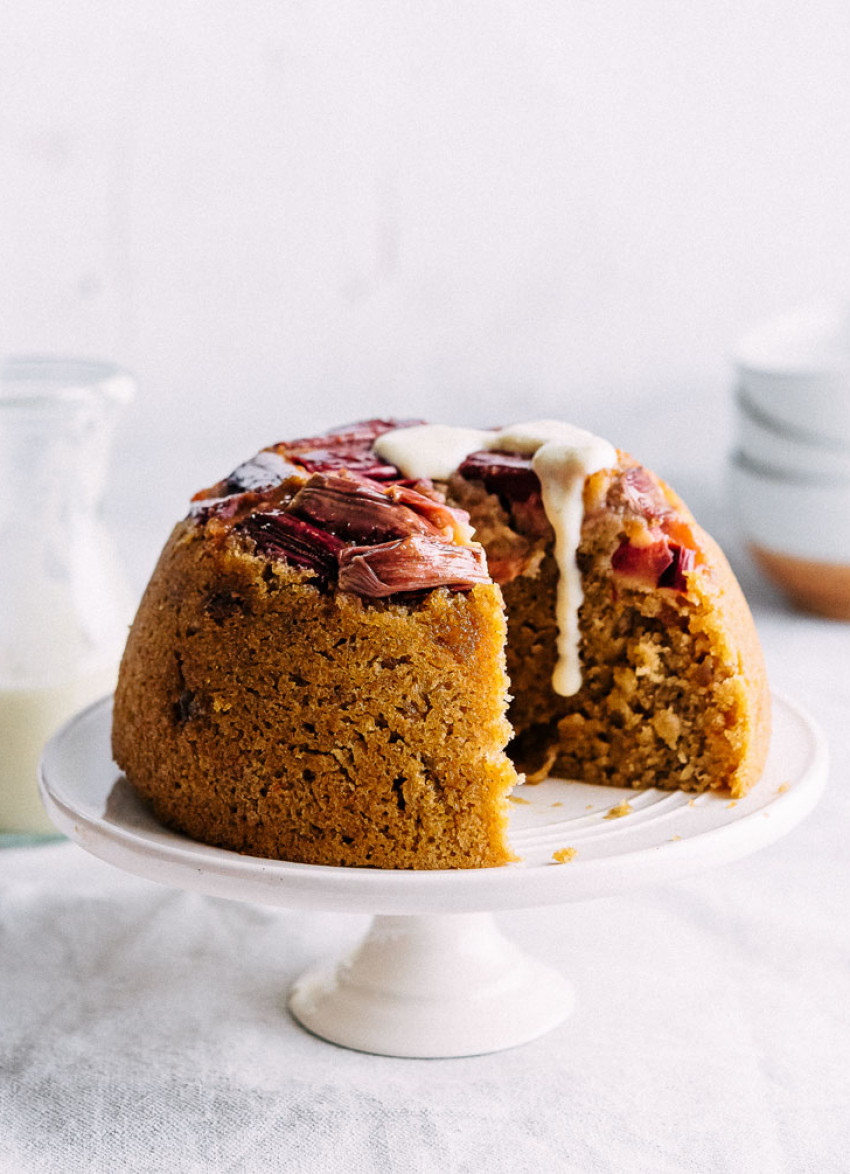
(144, 1029)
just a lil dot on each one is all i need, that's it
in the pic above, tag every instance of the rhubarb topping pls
(402, 540)
(362, 510)
(283, 535)
(638, 490)
(346, 448)
(356, 509)
(322, 460)
(263, 471)
(504, 473)
(646, 562)
(658, 563)
(675, 575)
(416, 563)
(356, 517)
(452, 524)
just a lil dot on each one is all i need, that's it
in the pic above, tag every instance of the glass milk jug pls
(64, 604)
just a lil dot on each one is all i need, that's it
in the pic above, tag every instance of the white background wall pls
(283, 214)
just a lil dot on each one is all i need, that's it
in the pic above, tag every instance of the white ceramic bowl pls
(777, 451)
(802, 518)
(795, 371)
(789, 476)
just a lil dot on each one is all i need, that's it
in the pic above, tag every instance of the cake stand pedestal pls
(450, 985)
(434, 976)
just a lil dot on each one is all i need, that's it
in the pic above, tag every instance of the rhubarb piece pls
(361, 434)
(659, 563)
(641, 492)
(410, 564)
(645, 563)
(206, 507)
(450, 522)
(529, 516)
(362, 461)
(504, 473)
(282, 535)
(359, 509)
(681, 565)
(346, 448)
(424, 486)
(507, 566)
(264, 471)
(225, 510)
(637, 491)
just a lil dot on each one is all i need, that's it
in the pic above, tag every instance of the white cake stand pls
(434, 976)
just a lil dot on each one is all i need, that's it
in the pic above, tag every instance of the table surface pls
(143, 1028)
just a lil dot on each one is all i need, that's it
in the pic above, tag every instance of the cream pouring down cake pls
(353, 644)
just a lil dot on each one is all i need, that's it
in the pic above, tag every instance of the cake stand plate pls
(434, 976)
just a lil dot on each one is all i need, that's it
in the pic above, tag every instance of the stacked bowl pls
(790, 471)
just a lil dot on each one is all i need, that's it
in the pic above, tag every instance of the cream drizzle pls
(563, 456)
(430, 450)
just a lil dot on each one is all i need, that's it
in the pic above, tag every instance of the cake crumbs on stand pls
(624, 808)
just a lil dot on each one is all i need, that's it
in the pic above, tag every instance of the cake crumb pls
(589, 807)
(543, 771)
(564, 854)
(677, 837)
(519, 799)
(557, 803)
(780, 790)
(732, 803)
(624, 808)
(692, 803)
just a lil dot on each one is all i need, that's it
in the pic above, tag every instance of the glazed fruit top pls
(330, 506)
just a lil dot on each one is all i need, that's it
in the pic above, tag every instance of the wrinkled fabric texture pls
(144, 1029)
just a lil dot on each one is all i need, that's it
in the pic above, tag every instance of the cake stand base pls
(429, 987)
